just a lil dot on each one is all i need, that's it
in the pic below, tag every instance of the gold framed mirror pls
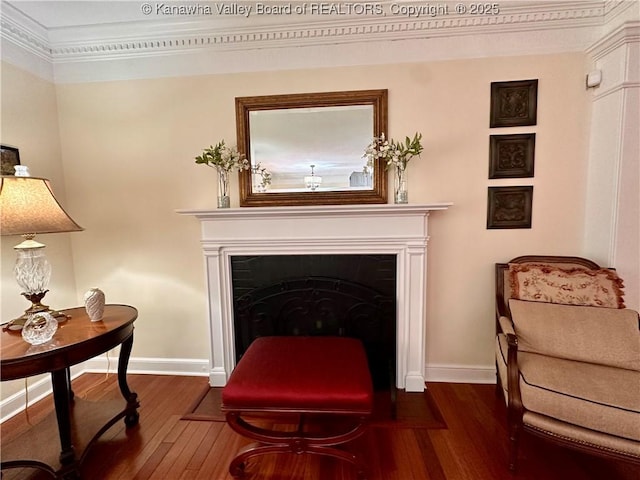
(311, 147)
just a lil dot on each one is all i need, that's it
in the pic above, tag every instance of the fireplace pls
(342, 295)
(399, 231)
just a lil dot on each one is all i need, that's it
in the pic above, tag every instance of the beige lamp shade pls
(28, 206)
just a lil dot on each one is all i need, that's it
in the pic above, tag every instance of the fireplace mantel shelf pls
(400, 230)
(316, 210)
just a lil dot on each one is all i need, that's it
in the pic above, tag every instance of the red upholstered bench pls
(311, 377)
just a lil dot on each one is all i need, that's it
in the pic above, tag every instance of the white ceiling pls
(53, 14)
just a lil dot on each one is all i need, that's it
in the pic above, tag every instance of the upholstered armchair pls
(568, 356)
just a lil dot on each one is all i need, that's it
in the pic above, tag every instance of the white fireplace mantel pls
(400, 230)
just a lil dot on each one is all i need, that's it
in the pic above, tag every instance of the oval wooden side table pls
(79, 423)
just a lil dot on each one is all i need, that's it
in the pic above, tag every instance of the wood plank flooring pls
(165, 447)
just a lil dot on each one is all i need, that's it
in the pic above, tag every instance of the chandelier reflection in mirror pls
(313, 181)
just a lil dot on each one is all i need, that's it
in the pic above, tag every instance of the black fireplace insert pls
(344, 295)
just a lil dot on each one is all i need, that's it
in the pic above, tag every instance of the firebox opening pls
(345, 295)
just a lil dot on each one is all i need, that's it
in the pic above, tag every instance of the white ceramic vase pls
(94, 304)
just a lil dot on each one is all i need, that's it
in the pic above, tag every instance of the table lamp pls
(28, 207)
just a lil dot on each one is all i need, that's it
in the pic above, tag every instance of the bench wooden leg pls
(297, 442)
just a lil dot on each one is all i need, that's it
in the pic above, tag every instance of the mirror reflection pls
(311, 149)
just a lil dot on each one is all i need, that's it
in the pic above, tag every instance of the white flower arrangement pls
(223, 157)
(393, 153)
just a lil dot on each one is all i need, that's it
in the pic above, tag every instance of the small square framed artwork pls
(514, 104)
(509, 207)
(9, 159)
(512, 156)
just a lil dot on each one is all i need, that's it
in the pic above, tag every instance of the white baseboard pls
(194, 367)
(460, 374)
(36, 391)
(156, 366)
(152, 366)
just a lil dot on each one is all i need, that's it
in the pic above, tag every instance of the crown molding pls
(24, 42)
(23, 31)
(164, 36)
(173, 46)
(627, 33)
(624, 10)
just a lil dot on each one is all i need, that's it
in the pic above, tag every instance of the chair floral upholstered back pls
(568, 355)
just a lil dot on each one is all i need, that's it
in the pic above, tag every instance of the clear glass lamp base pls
(33, 272)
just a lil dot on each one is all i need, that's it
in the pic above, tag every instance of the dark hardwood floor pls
(163, 446)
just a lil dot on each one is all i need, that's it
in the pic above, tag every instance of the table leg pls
(132, 415)
(60, 380)
(71, 394)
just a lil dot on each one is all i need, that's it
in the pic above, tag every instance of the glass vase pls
(223, 188)
(39, 328)
(400, 193)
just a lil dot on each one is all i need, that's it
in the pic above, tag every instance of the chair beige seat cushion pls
(589, 412)
(598, 397)
(583, 436)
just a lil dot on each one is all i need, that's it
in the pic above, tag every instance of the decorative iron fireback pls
(317, 305)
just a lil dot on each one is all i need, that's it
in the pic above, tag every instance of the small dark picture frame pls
(509, 207)
(10, 158)
(514, 104)
(512, 156)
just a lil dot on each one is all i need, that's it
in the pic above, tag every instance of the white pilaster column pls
(219, 350)
(612, 220)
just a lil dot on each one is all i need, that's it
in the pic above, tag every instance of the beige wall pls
(128, 147)
(30, 122)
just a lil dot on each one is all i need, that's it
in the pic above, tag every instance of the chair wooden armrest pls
(506, 326)
(513, 376)
(515, 409)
